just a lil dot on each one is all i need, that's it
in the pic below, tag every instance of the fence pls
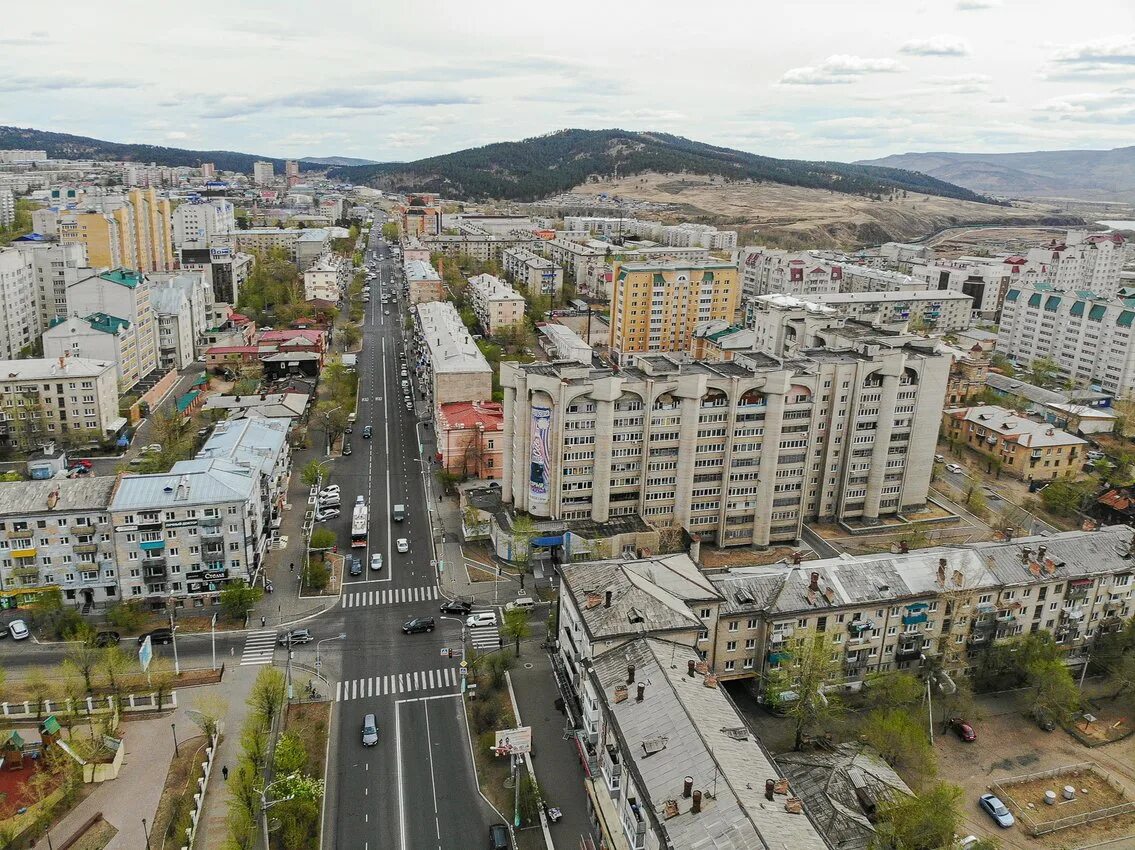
(30, 709)
(199, 795)
(1037, 827)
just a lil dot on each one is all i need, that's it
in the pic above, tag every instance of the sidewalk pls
(555, 760)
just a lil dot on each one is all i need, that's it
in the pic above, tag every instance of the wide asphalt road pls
(416, 788)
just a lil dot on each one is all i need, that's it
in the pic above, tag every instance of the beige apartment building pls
(134, 231)
(656, 306)
(496, 304)
(1025, 448)
(739, 453)
(66, 398)
(458, 371)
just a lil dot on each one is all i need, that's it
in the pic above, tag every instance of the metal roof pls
(190, 482)
(24, 498)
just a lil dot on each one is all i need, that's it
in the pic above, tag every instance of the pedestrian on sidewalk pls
(292, 567)
(225, 773)
(263, 622)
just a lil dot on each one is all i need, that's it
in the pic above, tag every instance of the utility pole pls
(173, 640)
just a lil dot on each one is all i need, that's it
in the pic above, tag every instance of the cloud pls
(839, 69)
(174, 135)
(1113, 107)
(339, 101)
(1102, 58)
(61, 82)
(939, 45)
(976, 5)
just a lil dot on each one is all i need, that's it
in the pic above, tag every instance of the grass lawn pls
(309, 722)
(96, 838)
(172, 816)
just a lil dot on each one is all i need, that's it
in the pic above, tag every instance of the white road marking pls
(396, 596)
(258, 648)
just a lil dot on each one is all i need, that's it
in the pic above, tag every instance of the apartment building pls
(655, 306)
(303, 247)
(132, 230)
(983, 279)
(262, 173)
(224, 269)
(767, 271)
(326, 279)
(56, 536)
(481, 247)
(423, 283)
(68, 399)
(458, 371)
(1086, 335)
(534, 273)
(181, 306)
(562, 343)
(7, 207)
(470, 438)
(496, 304)
(740, 452)
(421, 215)
(686, 234)
(55, 267)
(115, 305)
(1083, 260)
(1025, 448)
(198, 220)
(19, 315)
(934, 310)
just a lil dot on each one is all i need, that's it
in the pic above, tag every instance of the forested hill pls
(546, 165)
(65, 146)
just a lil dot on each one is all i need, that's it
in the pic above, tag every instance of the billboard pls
(541, 456)
(513, 742)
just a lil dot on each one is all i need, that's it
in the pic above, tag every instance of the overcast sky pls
(842, 80)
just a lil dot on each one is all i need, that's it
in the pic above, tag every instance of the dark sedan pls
(456, 606)
(418, 624)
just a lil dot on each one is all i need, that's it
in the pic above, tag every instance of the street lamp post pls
(318, 660)
(146, 832)
(173, 640)
(176, 751)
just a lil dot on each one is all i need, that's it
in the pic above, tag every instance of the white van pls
(524, 603)
(481, 618)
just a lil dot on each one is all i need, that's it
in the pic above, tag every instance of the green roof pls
(1034, 299)
(106, 323)
(1051, 303)
(1124, 320)
(1077, 308)
(1012, 295)
(186, 400)
(1097, 312)
(49, 725)
(123, 277)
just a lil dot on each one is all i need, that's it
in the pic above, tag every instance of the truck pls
(399, 513)
(359, 518)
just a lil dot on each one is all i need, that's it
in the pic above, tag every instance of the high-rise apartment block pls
(262, 173)
(836, 421)
(133, 231)
(7, 207)
(421, 215)
(55, 266)
(198, 220)
(19, 316)
(1083, 261)
(655, 306)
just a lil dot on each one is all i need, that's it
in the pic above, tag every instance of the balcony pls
(984, 608)
(212, 533)
(154, 560)
(27, 552)
(82, 528)
(86, 548)
(1006, 618)
(20, 534)
(154, 571)
(152, 545)
(908, 652)
(913, 618)
(778, 656)
(210, 522)
(978, 638)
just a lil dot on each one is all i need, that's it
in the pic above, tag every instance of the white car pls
(323, 516)
(954, 468)
(403, 545)
(18, 629)
(330, 488)
(376, 561)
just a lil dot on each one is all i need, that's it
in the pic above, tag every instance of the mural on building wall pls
(541, 456)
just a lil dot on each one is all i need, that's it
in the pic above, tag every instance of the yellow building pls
(1025, 448)
(136, 233)
(656, 306)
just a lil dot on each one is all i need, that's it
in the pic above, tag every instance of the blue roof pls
(31, 237)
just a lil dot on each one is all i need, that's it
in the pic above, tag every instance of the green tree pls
(1054, 691)
(317, 576)
(350, 335)
(516, 627)
(114, 666)
(1045, 372)
(925, 822)
(312, 473)
(81, 660)
(523, 532)
(238, 598)
(895, 689)
(902, 739)
(290, 755)
(322, 539)
(267, 694)
(1063, 497)
(390, 231)
(208, 709)
(807, 671)
(334, 419)
(126, 616)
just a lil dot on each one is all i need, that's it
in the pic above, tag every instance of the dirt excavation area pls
(795, 217)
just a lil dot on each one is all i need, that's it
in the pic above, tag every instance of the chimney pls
(904, 547)
(690, 673)
(630, 674)
(769, 784)
(696, 807)
(814, 582)
(797, 557)
(1025, 555)
(695, 548)
(641, 692)
(687, 787)
(941, 571)
(607, 599)
(1040, 552)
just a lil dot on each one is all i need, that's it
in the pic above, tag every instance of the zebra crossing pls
(258, 648)
(392, 596)
(394, 684)
(485, 637)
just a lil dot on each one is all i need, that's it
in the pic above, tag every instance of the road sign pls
(464, 672)
(145, 654)
(445, 650)
(464, 664)
(319, 664)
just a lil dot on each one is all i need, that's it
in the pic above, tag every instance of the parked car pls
(963, 729)
(1044, 720)
(18, 629)
(324, 515)
(370, 731)
(296, 637)
(105, 639)
(403, 545)
(1095, 455)
(498, 837)
(356, 567)
(153, 448)
(329, 489)
(939, 459)
(376, 561)
(157, 636)
(955, 468)
(523, 603)
(996, 810)
(418, 624)
(456, 606)
(368, 432)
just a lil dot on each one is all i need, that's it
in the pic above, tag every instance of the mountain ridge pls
(338, 160)
(540, 166)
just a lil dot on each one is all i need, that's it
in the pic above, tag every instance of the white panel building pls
(198, 220)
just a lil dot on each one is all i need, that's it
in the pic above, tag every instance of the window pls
(733, 624)
(704, 613)
(730, 666)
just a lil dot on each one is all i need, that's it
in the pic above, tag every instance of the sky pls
(837, 80)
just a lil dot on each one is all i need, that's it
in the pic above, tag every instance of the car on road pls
(954, 468)
(296, 637)
(498, 837)
(939, 459)
(481, 618)
(153, 448)
(105, 639)
(963, 729)
(18, 629)
(376, 561)
(386, 312)
(522, 603)
(456, 606)
(346, 449)
(996, 810)
(403, 545)
(418, 624)
(370, 731)
(156, 636)
(324, 515)
(356, 567)
(368, 432)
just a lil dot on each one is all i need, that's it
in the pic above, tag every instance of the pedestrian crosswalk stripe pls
(397, 683)
(258, 648)
(485, 637)
(394, 596)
